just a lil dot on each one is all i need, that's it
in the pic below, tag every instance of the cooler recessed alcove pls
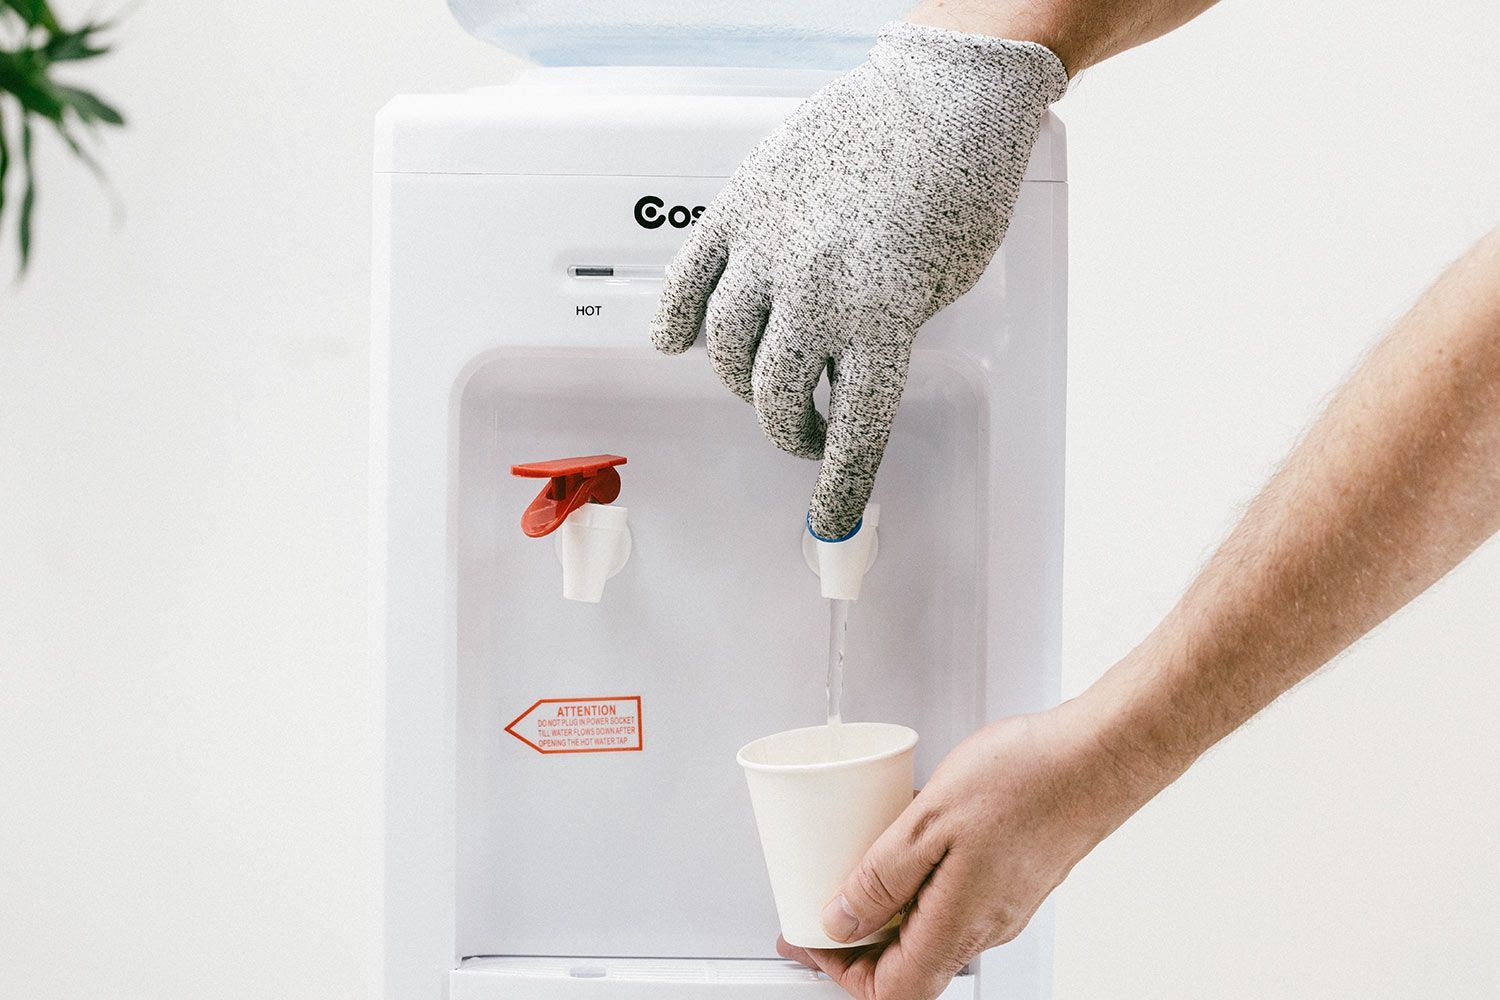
(715, 623)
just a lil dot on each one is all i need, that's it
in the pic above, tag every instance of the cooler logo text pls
(652, 213)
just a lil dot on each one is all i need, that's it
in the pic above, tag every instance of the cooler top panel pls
(615, 122)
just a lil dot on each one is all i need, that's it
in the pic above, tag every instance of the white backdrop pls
(186, 784)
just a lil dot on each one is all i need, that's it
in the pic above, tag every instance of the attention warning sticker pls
(581, 725)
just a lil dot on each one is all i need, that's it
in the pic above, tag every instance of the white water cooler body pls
(563, 814)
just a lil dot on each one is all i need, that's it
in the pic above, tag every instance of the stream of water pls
(838, 638)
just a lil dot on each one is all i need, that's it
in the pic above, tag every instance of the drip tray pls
(538, 978)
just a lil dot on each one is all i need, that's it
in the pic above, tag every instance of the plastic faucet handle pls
(573, 483)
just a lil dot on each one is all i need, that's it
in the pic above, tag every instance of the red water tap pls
(574, 482)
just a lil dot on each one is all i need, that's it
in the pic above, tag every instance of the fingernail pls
(838, 922)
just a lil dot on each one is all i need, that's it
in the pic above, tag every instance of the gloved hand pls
(875, 204)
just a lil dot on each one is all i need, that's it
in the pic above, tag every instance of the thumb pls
(885, 880)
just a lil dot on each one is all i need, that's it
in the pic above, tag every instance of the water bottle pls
(799, 34)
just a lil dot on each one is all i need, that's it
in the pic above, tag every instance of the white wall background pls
(185, 777)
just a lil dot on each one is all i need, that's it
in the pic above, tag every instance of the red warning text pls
(581, 725)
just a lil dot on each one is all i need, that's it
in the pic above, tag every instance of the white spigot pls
(593, 545)
(842, 565)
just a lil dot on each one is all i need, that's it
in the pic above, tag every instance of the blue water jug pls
(825, 34)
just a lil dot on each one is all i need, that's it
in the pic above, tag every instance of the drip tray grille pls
(564, 978)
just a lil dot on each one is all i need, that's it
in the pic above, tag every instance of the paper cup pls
(821, 797)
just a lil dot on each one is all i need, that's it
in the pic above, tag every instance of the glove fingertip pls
(679, 317)
(689, 282)
(841, 493)
(668, 338)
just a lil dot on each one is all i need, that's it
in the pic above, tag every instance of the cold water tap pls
(841, 564)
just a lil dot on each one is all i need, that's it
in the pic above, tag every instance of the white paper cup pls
(821, 797)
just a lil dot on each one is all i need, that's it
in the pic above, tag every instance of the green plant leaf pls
(39, 41)
(28, 197)
(36, 94)
(36, 13)
(17, 64)
(88, 106)
(72, 45)
(4, 165)
(84, 156)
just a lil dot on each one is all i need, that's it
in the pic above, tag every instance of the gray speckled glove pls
(877, 203)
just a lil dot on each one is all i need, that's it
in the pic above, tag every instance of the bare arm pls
(1081, 32)
(1396, 483)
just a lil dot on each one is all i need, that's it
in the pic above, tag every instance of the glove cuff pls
(1020, 64)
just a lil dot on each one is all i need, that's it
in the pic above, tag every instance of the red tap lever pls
(574, 482)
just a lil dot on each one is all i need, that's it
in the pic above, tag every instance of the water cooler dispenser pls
(563, 813)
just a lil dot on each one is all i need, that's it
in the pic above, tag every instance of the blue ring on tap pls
(854, 531)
